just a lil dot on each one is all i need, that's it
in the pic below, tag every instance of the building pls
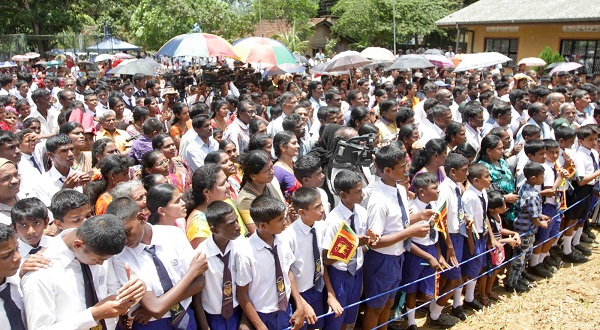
(520, 29)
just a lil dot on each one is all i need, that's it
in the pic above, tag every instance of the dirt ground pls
(569, 300)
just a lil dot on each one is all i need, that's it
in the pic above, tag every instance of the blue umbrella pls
(8, 64)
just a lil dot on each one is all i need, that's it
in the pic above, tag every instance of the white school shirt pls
(546, 132)
(300, 239)
(15, 295)
(30, 181)
(172, 248)
(256, 268)
(334, 221)
(416, 206)
(24, 248)
(324, 200)
(197, 150)
(53, 182)
(429, 131)
(549, 179)
(212, 294)
(385, 215)
(584, 164)
(456, 115)
(54, 297)
(472, 205)
(473, 137)
(448, 193)
(420, 114)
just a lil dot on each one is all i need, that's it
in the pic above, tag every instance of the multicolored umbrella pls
(122, 56)
(283, 69)
(203, 45)
(263, 52)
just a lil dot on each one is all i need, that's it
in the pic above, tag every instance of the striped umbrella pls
(263, 52)
(203, 45)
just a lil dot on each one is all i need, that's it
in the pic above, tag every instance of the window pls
(584, 52)
(506, 46)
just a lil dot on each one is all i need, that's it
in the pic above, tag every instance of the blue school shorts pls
(277, 320)
(316, 300)
(347, 288)
(458, 242)
(473, 268)
(413, 271)
(165, 323)
(218, 322)
(543, 234)
(383, 272)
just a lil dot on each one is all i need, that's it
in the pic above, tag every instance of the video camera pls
(357, 151)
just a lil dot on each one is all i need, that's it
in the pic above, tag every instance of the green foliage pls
(289, 10)
(370, 22)
(297, 38)
(551, 56)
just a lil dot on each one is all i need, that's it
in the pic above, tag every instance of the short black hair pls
(124, 208)
(30, 209)
(533, 146)
(495, 199)
(103, 234)
(530, 130)
(306, 166)
(217, 211)
(389, 156)
(551, 144)
(56, 141)
(466, 150)
(564, 132)
(346, 180)
(265, 208)
(303, 197)
(66, 200)
(454, 161)
(533, 169)
(7, 137)
(403, 115)
(6, 232)
(585, 131)
(476, 171)
(423, 180)
(471, 110)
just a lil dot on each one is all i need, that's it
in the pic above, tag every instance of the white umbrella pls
(8, 64)
(434, 51)
(411, 61)
(320, 69)
(481, 60)
(103, 57)
(567, 66)
(31, 55)
(145, 66)
(532, 61)
(345, 61)
(378, 54)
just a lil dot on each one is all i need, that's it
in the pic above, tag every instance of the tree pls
(296, 39)
(370, 21)
(291, 11)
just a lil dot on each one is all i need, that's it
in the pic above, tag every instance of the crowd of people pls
(155, 203)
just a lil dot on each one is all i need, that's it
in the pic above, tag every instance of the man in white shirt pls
(202, 144)
(288, 101)
(473, 116)
(78, 291)
(61, 175)
(420, 114)
(128, 97)
(238, 131)
(538, 112)
(6, 84)
(44, 112)
(442, 116)
(519, 99)
(449, 53)
(460, 95)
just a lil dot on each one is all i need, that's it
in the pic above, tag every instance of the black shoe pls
(519, 287)
(548, 267)
(539, 271)
(590, 233)
(584, 250)
(526, 283)
(444, 321)
(412, 327)
(551, 261)
(458, 312)
(474, 305)
(529, 277)
(586, 239)
(556, 251)
(575, 258)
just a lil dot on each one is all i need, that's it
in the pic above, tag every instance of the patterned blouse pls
(502, 178)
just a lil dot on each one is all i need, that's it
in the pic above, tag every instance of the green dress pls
(502, 179)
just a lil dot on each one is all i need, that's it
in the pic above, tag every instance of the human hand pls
(132, 291)
(451, 256)
(373, 237)
(34, 263)
(419, 230)
(442, 262)
(199, 264)
(334, 305)
(141, 315)
(427, 214)
(109, 307)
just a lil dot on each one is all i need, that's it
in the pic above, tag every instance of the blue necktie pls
(318, 275)
(462, 226)
(353, 264)
(12, 311)
(179, 317)
(91, 298)
(407, 242)
(484, 206)
(433, 234)
(595, 162)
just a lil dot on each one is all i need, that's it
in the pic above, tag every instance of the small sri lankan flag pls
(441, 219)
(344, 244)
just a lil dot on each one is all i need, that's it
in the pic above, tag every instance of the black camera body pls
(357, 151)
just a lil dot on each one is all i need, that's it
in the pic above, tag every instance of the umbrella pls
(345, 61)
(263, 52)
(123, 56)
(411, 61)
(567, 66)
(481, 60)
(144, 66)
(283, 69)
(319, 69)
(439, 61)
(197, 45)
(434, 51)
(103, 57)
(8, 64)
(301, 59)
(20, 58)
(53, 63)
(31, 55)
(378, 54)
(42, 62)
(532, 61)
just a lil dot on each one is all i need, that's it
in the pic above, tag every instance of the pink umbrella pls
(440, 61)
(20, 58)
(123, 56)
(568, 66)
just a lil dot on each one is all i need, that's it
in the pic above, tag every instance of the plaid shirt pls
(529, 206)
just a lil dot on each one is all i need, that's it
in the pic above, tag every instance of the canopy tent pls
(113, 44)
